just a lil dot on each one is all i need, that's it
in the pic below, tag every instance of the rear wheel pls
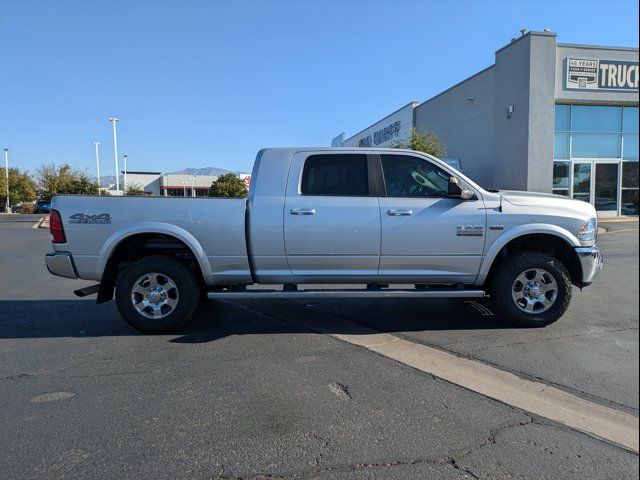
(157, 294)
(531, 289)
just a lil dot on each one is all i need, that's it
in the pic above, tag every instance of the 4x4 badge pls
(102, 218)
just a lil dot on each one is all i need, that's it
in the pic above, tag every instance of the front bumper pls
(591, 260)
(61, 264)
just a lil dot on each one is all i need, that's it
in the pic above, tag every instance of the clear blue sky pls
(208, 83)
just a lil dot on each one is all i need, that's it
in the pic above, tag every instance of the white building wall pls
(149, 181)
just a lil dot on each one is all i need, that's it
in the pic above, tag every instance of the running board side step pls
(346, 294)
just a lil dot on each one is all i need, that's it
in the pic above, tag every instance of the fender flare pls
(117, 237)
(520, 231)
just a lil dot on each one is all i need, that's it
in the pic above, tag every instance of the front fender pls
(533, 228)
(154, 227)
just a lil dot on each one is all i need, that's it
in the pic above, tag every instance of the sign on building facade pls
(598, 74)
(385, 133)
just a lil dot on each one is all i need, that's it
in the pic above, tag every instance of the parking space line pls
(38, 222)
(535, 397)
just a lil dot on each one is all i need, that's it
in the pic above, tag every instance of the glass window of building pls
(596, 156)
(629, 193)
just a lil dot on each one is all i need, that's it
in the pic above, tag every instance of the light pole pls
(184, 186)
(7, 206)
(115, 120)
(193, 186)
(97, 163)
(124, 187)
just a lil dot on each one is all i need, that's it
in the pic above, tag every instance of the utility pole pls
(124, 187)
(115, 120)
(97, 163)
(7, 206)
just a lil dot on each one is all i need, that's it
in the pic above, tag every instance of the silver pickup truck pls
(356, 222)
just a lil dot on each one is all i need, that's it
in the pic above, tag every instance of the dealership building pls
(169, 184)
(546, 116)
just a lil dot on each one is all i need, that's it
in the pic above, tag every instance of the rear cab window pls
(341, 174)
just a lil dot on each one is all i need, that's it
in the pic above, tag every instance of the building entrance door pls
(598, 184)
(606, 189)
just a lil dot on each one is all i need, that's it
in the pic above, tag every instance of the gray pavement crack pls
(453, 459)
(491, 439)
(455, 465)
(542, 340)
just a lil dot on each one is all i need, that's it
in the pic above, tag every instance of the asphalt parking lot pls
(247, 391)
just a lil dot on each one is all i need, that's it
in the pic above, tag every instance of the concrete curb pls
(618, 220)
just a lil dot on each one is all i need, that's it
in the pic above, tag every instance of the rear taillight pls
(56, 228)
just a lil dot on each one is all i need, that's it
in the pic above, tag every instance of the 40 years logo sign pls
(597, 74)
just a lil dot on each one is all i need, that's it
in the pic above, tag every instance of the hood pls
(548, 200)
(529, 198)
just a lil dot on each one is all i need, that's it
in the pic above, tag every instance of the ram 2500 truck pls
(374, 220)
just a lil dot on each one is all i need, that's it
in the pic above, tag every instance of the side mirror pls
(455, 191)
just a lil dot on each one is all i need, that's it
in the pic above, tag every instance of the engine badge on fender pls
(469, 230)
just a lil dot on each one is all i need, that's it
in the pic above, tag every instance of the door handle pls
(399, 213)
(303, 211)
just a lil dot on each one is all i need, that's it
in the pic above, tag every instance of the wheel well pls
(541, 242)
(141, 245)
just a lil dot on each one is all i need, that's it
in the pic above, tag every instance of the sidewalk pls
(618, 220)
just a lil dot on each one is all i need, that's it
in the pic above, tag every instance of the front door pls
(332, 218)
(606, 189)
(425, 235)
(597, 183)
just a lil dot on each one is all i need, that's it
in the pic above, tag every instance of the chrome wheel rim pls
(154, 295)
(534, 291)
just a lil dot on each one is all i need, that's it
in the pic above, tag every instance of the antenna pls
(500, 206)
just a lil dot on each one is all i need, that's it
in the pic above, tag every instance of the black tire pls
(507, 273)
(186, 286)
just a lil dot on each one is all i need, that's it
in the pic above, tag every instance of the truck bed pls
(213, 228)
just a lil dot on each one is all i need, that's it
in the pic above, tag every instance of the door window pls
(408, 176)
(606, 190)
(335, 174)
(582, 181)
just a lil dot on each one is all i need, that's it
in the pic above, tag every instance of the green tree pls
(79, 184)
(428, 142)
(134, 188)
(228, 185)
(22, 188)
(64, 180)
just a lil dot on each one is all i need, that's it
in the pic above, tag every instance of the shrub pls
(27, 208)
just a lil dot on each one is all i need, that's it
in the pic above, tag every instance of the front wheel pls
(157, 294)
(531, 289)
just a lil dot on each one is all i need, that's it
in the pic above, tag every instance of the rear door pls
(425, 235)
(332, 217)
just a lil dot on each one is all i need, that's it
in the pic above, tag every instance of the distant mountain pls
(111, 179)
(106, 179)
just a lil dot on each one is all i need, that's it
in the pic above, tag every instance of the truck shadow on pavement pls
(219, 319)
